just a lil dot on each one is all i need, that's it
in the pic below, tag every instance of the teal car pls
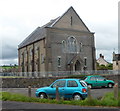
(98, 81)
(68, 88)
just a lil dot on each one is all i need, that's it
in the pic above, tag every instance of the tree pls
(103, 67)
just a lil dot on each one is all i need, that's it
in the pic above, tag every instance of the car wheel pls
(89, 85)
(77, 97)
(42, 96)
(110, 85)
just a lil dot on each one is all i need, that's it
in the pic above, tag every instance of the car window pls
(93, 78)
(59, 83)
(72, 83)
(100, 78)
(83, 83)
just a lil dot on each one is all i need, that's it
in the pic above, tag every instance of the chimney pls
(103, 57)
(100, 55)
(114, 58)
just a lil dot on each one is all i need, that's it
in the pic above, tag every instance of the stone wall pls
(39, 82)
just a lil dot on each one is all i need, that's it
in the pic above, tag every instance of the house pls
(63, 44)
(116, 61)
(102, 61)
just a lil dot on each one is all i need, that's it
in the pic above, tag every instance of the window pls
(25, 53)
(42, 58)
(72, 45)
(59, 61)
(117, 62)
(85, 61)
(93, 78)
(64, 46)
(81, 45)
(72, 84)
(100, 78)
(83, 83)
(31, 51)
(36, 49)
(59, 83)
(71, 20)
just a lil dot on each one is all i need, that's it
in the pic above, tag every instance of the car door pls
(93, 81)
(52, 91)
(101, 81)
(71, 87)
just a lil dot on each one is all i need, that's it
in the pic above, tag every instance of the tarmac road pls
(23, 106)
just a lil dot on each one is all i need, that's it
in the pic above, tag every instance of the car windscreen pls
(83, 83)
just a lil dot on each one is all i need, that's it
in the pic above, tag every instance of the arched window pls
(64, 46)
(72, 45)
(81, 47)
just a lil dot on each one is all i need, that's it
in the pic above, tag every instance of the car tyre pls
(42, 96)
(110, 85)
(77, 97)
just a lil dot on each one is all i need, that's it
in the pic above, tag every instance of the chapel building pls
(63, 44)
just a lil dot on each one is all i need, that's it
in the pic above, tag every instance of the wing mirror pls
(104, 79)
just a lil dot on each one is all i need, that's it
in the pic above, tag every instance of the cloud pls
(108, 54)
(18, 19)
(9, 61)
(119, 27)
(9, 52)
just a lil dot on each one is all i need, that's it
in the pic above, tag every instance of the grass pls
(8, 67)
(107, 100)
(12, 77)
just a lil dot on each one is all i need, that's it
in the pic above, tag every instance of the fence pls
(59, 74)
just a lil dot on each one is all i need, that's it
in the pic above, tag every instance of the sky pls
(19, 18)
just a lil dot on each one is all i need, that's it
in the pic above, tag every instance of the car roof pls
(69, 79)
(93, 75)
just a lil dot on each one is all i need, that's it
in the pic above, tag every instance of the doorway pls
(77, 66)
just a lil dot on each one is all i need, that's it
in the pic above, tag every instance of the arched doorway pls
(77, 66)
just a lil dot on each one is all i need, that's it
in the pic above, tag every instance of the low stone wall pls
(25, 82)
(39, 82)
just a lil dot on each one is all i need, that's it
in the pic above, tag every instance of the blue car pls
(75, 89)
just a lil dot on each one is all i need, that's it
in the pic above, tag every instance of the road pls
(12, 105)
(96, 93)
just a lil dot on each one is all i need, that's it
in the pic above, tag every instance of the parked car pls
(68, 88)
(98, 81)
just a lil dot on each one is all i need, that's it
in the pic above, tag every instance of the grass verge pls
(107, 100)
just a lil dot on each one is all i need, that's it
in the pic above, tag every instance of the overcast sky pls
(18, 18)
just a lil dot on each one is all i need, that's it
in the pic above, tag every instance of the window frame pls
(72, 81)
(72, 45)
(57, 84)
(63, 46)
(59, 61)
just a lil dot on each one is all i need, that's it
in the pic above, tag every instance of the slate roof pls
(38, 34)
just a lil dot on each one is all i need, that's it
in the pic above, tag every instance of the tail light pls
(84, 90)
